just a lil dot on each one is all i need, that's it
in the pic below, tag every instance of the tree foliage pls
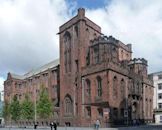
(6, 110)
(15, 109)
(27, 108)
(44, 105)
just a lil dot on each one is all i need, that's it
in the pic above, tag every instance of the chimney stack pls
(81, 12)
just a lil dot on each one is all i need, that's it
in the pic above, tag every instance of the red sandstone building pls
(95, 78)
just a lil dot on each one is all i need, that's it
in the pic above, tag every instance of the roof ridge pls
(38, 70)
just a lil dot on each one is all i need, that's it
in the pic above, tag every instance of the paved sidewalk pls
(145, 127)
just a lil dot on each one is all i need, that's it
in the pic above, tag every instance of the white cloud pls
(136, 22)
(1, 83)
(28, 31)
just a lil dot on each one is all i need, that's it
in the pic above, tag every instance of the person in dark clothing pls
(51, 125)
(55, 125)
(35, 125)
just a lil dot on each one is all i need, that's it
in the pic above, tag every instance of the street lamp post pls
(35, 104)
(10, 114)
(127, 109)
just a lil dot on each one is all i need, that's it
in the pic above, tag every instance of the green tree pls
(15, 109)
(27, 108)
(6, 110)
(44, 105)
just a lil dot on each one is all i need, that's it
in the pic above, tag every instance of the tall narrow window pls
(65, 57)
(99, 86)
(115, 87)
(76, 30)
(88, 87)
(88, 57)
(96, 54)
(122, 55)
(77, 65)
(133, 88)
(122, 88)
(67, 52)
(138, 88)
(114, 54)
(68, 105)
(69, 60)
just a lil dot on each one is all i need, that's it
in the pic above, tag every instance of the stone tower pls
(75, 36)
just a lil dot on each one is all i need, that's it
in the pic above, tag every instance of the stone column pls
(83, 80)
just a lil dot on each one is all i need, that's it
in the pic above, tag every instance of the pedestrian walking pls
(97, 124)
(35, 125)
(51, 125)
(55, 125)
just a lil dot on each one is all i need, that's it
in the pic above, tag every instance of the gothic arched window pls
(68, 105)
(67, 51)
(88, 87)
(99, 86)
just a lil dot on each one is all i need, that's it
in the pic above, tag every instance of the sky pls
(28, 29)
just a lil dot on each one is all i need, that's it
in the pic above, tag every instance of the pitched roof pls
(37, 71)
(15, 76)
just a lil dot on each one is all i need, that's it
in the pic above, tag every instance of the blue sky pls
(90, 4)
(28, 29)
